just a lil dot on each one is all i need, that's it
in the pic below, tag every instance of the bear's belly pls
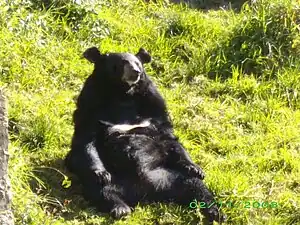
(132, 148)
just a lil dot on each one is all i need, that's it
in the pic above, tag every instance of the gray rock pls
(6, 216)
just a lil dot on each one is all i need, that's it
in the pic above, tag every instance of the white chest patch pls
(123, 128)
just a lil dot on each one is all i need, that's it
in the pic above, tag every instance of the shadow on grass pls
(60, 201)
(211, 5)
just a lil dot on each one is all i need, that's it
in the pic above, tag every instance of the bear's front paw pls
(120, 211)
(194, 170)
(103, 176)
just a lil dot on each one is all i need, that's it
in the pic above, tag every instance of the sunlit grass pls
(235, 106)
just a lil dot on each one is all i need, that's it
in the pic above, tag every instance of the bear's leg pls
(180, 160)
(172, 186)
(101, 194)
(112, 196)
(186, 190)
(106, 198)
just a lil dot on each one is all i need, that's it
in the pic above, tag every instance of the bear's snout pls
(131, 74)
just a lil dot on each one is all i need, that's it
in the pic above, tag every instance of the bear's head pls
(122, 68)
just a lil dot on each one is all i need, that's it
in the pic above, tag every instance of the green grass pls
(231, 80)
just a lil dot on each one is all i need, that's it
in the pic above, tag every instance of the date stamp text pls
(234, 204)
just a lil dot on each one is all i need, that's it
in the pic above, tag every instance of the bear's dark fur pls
(123, 148)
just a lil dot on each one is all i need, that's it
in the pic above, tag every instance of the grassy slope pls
(242, 129)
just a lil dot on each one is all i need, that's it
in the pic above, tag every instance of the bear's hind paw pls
(214, 214)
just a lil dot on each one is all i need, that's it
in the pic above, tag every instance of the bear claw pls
(104, 176)
(194, 170)
(120, 211)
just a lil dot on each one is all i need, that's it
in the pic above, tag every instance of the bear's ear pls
(92, 54)
(144, 56)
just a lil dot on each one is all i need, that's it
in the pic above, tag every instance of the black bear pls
(123, 149)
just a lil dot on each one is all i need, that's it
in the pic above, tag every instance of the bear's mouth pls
(133, 85)
(133, 80)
